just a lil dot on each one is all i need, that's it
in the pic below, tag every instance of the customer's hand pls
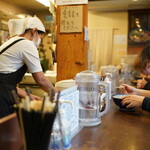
(128, 89)
(132, 101)
(141, 83)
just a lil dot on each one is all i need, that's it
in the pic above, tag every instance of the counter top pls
(10, 136)
(118, 131)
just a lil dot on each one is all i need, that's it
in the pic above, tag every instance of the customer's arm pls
(142, 92)
(146, 104)
(147, 85)
(136, 101)
(132, 90)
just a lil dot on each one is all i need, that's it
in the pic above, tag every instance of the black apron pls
(8, 83)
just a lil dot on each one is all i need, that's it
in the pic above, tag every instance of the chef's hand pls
(56, 90)
(35, 97)
(128, 89)
(132, 101)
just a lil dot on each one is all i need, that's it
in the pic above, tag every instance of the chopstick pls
(119, 87)
(36, 119)
(43, 104)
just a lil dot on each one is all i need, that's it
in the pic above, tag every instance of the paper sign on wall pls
(68, 2)
(86, 34)
(71, 19)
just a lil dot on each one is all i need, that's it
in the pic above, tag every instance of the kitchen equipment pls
(64, 84)
(93, 97)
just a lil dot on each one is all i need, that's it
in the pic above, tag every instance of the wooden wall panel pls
(71, 50)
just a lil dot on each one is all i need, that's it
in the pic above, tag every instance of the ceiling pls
(94, 5)
(118, 5)
(29, 5)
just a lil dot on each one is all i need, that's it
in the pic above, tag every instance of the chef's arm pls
(43, 81)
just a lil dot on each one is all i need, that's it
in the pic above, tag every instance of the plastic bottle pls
(56, 142)
(108, 80)
(124, 72)
(66, 130)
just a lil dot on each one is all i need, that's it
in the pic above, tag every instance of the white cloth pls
(23, 52)
(18, 26)
(102, 47)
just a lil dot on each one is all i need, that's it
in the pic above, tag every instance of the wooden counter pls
(118, 131)
(10, 135)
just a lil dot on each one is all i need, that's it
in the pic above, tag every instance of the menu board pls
(71, 19)
(72, 111)
(68, 2)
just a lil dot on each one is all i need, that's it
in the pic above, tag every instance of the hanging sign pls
(71, 2)
(71, 19)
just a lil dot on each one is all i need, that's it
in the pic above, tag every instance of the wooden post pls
(71, 49)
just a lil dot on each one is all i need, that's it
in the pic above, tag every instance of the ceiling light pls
(135, 0)
(44, 2)
(23, 15)
(138, 26)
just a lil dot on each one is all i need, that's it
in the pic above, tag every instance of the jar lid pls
(87, 76)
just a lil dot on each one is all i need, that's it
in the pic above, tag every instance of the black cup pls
(117, 98)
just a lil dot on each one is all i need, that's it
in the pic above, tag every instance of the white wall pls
(111, 20)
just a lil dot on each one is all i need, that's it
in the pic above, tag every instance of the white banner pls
(71, 2)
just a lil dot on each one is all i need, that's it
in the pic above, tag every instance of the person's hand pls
(35, 97)
(141, 83)
(132, 101)
(56, 90)
(128, 89)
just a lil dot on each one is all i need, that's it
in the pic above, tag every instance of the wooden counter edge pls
(4, 119)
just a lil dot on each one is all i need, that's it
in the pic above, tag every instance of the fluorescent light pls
(53, 1)
(44, 2)
(22, 15)
(50, 34)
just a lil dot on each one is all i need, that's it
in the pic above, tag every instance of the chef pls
(17, 55)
